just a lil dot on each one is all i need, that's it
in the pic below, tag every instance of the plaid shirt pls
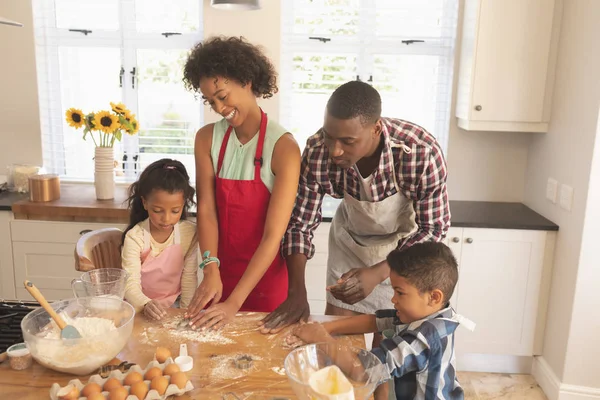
(421, 177)
(421, 355)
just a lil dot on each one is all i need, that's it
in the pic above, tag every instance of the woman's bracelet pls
(207, 259)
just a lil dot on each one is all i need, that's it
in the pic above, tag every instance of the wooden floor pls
(485, 386)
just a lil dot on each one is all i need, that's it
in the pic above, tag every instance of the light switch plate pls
(566, 197)
(551, 190)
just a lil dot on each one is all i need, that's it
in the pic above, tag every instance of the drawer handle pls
(469, 240)
(83, 232)
(455, 240)
(478, 108)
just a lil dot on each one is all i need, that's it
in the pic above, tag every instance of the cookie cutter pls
(243, 362)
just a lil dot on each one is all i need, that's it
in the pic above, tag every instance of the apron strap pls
(258, 159)
(223, 148)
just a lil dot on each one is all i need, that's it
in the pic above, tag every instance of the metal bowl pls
(78, 356)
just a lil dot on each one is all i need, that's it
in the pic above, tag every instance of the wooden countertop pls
(78, 203)
(213, 373)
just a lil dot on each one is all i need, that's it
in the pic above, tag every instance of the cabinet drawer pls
(53, 232)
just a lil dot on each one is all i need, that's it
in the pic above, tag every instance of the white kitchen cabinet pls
(7, 280)
(316, 271)
(507, 62)
(503, 288)
(43, 253)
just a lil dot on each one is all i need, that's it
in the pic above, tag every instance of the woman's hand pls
(154, 310)
(216, 316)
(210, 289)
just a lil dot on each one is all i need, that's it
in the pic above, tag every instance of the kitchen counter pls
(7, 199)
(78, 203)
(212, 375)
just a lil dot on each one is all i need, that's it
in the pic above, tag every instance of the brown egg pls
(119, 393)
(132, 378)
(152, 372)
(159, 383)
(180, 379)
(111, 383)
(90, 389)
(139, 389)
(69, 392)
(96, 396)
(171, 369)
(162, 354)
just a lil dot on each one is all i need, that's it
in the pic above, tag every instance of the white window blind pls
(92, 52)
(404, 48)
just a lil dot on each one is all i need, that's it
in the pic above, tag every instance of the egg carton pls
(172, 390)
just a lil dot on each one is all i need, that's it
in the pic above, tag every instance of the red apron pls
(242, 210)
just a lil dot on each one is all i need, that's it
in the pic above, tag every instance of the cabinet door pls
(511, 60)
(454, 241)
(48, 265)
(7, 287)
(500, 280)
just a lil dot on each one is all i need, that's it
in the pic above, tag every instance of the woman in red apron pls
(247, 171)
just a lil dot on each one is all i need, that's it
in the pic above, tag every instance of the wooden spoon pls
(66, 331)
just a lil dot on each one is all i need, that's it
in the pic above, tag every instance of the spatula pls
(66, 331)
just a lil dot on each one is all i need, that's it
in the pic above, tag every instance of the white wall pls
(565, 153)
(19, 108)
(482, 166)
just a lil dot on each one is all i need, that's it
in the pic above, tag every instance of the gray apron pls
(362, 234)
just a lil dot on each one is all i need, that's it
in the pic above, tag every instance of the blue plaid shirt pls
(420, 356)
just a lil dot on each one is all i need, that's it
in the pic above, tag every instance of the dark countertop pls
(495, 215)
(8, 198)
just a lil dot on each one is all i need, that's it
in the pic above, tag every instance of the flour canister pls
(44, 187)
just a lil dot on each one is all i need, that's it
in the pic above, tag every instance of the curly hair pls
(233, 58)
(355, 99)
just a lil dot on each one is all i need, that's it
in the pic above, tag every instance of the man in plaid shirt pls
(391, 175)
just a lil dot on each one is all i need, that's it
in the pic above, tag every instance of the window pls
(94, 52)
(404, 48)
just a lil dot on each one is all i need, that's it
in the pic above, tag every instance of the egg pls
(69, 392)
(90, 389)
(171, 369)
(119, 393)
(162, 354)
(159, 383)
(180, 379)
(139, 389)
(96, 396)
(111, 383)
(132, 378)
(152, 372)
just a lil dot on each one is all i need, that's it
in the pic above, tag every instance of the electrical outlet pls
(566, 197)
(551, 189)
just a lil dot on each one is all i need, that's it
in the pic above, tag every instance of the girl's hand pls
(216, 316)
(154, 310)
(211, 288)
(309, 333)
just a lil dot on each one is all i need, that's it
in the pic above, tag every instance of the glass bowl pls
(362, 368)
(78, 356)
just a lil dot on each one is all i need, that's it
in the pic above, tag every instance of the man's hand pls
(294, 309)
(356, 284)
(211, 288)
(154, 310)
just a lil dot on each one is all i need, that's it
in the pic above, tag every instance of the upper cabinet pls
(507, 60)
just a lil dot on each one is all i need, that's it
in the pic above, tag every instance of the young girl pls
(160, 249)
(247, 168)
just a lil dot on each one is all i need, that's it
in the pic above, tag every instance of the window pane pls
(314, 78)
(416, 18)
(169, 115)
(77, 14)
(411, 87)
(89, 79)
(181, 16)
(326, 17)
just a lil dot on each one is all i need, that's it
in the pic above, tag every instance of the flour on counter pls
(149, 335)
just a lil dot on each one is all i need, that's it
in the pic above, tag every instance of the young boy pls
(420, 355)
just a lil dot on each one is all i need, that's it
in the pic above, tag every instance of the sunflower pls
(75, 118)
(106, 122)
(119, 108)
(135, 127)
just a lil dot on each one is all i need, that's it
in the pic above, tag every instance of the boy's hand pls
(154, 310)
(309, 333)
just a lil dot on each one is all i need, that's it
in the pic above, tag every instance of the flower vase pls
(104, 173)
